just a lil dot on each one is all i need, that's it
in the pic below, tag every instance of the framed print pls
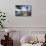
(23, 10)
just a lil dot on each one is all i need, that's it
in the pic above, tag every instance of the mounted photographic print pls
(23, 10)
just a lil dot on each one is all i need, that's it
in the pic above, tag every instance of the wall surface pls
(38, 18)
(24, 24)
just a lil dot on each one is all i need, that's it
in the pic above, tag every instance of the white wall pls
(14, 21)
(35, 23)
(38, 18)
(39, 13)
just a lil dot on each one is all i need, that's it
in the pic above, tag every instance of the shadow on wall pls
(16, 43)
